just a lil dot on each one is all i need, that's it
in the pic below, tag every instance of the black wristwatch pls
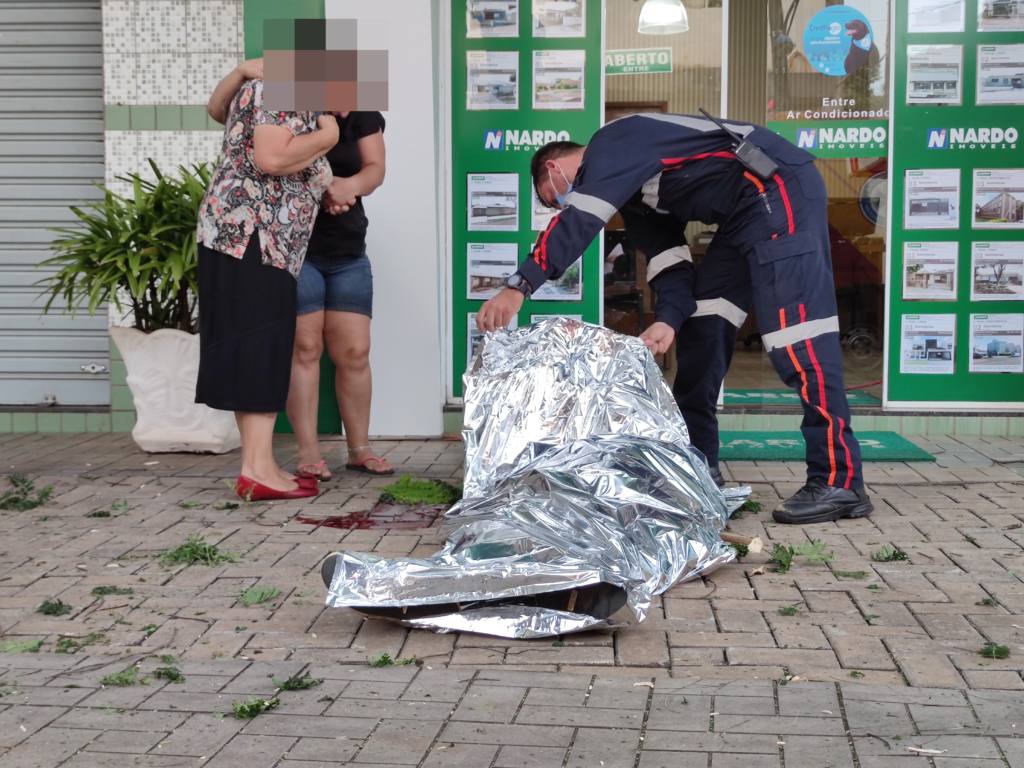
(517, 282)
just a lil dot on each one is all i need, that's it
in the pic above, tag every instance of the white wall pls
(408, 308)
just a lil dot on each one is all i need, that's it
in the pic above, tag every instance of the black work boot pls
(817, 502)
(716, 475)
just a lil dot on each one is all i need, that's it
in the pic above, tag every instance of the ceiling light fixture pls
(663, 17)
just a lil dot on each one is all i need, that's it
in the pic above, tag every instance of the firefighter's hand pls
(658, 337)
(498, 312)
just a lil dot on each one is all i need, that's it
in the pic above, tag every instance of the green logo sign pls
(639, 61)
(856, 138)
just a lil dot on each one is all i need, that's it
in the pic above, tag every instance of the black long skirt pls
(246, 331)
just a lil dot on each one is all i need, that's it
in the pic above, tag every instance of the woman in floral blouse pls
(254, 225)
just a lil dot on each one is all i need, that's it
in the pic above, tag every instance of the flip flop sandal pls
(360, 466)
(318, 470)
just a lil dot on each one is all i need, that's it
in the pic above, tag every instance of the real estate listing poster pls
(475, 337)
(492, 18)
(558, 79)
(488, 266)
(540, 214)
(1001, 74)
(934, 74)
(932, 199)
(929, 271)
(559, 18)
(935, 16)
(996, 343)
(1000, 16)
(999, 198)
(568, 287)
(927, 344)
(492, 80)
(997, 271)
(493, 202)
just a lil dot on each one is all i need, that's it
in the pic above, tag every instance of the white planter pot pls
(162, 368)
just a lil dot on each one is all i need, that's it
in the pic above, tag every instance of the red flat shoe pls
(250, 490)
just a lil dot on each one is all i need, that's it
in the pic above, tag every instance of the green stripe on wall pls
(159, 117)
(257, 11)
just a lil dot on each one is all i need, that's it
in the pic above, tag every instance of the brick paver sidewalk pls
(857, 662)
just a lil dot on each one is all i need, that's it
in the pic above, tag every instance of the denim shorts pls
(336, 283)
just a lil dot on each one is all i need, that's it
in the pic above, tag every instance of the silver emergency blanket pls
(580, 484)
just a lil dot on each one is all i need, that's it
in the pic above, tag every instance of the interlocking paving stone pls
(887, 650)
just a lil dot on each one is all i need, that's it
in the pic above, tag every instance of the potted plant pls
(138, 254)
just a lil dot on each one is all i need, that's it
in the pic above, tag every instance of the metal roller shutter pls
(51, 153)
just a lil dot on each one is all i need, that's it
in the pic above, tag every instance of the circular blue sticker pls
(838, 40)
(872, 192)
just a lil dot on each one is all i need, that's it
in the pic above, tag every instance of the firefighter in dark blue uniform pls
(770, 252)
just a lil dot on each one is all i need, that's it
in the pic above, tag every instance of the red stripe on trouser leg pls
(785, 201)
(846, 450)
(792, 358)
(823, 410)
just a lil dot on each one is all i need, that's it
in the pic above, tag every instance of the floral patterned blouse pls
(242, 198)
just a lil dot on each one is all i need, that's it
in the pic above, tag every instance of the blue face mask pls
(560, 198)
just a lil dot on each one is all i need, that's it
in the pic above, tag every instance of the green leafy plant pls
(992, 651)
(856, 673)
(742, 550)
(168, 659)
(750, 506)
(150, 629)
(783, 555)
(385, 660)
(21, 646)
(991, 602)
(246, 710)
(414, 491)
(889, 554)
(54, 608)
(75, 644)
(100, 513)
(789, 610)
(23, 495)
(298, 683)
(140, 248)
(108, 590)
(124, 678)
(259, 594)
(190, 504)
(220, 506)
(196, 551)
(170, 674)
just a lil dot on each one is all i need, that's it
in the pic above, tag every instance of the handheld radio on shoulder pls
(751, 157)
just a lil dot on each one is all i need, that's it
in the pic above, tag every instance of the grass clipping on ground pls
(413, 492)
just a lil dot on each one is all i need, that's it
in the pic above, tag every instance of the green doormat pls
(787, 397)
(743, 445)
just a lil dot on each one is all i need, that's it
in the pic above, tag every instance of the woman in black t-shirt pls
(335, 302)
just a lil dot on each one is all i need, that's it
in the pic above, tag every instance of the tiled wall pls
(161, 60)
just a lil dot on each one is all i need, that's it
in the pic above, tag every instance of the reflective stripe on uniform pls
(650, 192)
(666, 259)
(800, 332)
(595, 206)
(722, 308)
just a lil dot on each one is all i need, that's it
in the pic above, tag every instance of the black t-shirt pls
(345, 233)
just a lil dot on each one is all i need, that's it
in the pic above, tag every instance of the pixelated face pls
(316, 65)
